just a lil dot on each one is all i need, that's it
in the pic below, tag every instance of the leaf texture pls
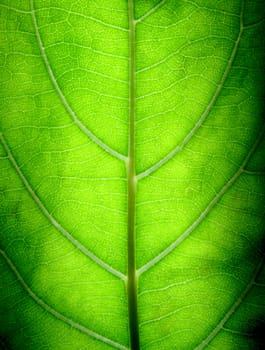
(132, 175)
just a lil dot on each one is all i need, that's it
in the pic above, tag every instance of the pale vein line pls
(72, 114)
(93, 72)
(93, 19)
(206, 211)
(52, 220)
(253, 25)
(162, 289)
(87, 47)
(232, 331)
(254, 172)
(55, 313)
(206, 112)
(232, 309)
(15, 9)
(257, 284)
(150, 12)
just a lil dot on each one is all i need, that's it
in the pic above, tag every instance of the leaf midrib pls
(132, 282)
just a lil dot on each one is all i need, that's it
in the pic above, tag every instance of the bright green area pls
(199, 158)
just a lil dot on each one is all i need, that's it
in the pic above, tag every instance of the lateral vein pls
(93, 19)
(206, 211)
(57, 314)
(206, 112)
(52, 220)
(232, 309)
(150, 12)
(15, 9)
(72, 114)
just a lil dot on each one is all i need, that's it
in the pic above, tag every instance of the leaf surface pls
(132, 175)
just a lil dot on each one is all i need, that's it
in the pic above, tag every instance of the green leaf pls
(132, 175)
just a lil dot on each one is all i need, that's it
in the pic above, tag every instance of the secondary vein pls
(52, 220)
(207, 210)
(72, 114)
(150, 12)
(132, 283)
(57, 314)
(232, 309)
(207, 110)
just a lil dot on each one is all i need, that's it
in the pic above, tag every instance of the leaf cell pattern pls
(132, 154)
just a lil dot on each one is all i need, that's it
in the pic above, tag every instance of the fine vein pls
(93, 19)
(206, 112)
(15, 9)
(150, 12)
(55, 313)
(132, 283)
(72, 114)
(232, 309)
(52, 220)
(206, 211)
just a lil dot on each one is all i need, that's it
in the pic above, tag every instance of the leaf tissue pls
(132, 175)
